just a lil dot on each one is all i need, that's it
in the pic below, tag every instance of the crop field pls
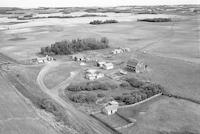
(17, 115)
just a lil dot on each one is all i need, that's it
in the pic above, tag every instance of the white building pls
(92, 74)
(101, 63)
(43, 59)
(117, 51)
(120, 50)
(110, 108)
(108, 66)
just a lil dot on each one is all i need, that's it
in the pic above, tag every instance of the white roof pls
(91, 71)
(108, 64)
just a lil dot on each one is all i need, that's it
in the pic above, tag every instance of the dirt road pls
(78, 117)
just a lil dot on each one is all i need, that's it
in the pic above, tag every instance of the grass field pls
(17, 115)
(59, 74)
(164, 115)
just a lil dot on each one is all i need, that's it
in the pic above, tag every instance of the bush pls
(89, 86)
(135, 82)
(101, 95)
(155, 88)
(124, 84)
(83, 98)
(52, 107)
(78, 45)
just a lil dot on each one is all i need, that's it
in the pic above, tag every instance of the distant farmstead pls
(110, 108)
(78, 57)
(120, 50)
(136, 66)
(43, 59)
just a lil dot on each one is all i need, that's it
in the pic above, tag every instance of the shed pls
(108, 66)
(110, 108)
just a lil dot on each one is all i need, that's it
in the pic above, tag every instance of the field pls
(170, 49)
(18, 115)
(164, 115)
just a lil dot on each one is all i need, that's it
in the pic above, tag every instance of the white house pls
(108, 66)
(78, 57)
(110, 108)
(101, 63)
(117, 51)
(92, 74)
(43, 59)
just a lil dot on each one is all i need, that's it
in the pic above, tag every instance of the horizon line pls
(95, 6)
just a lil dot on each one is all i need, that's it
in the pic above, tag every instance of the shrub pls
(83, 98)
(155, 88)
(135, 82)
(89, 86)
(124, 84)
(101, 95)
(52, 107)
(78, 45)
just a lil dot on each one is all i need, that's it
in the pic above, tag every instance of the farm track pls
(77, 116)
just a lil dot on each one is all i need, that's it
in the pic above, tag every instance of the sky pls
(89, 3)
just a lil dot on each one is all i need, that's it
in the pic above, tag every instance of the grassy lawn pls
(17, 114)
(164, 115)
(59, 74)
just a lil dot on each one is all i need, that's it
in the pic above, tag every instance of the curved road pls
(77, 117)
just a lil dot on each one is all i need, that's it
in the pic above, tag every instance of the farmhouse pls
(136, 66)
(100, 63)
(110, 108)
(108, 66)
(117, 51)
(79, 57)
(92, 74)
(120, 50)
(43, 59)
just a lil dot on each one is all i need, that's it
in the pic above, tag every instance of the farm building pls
(110, 107)
(108, 66)
(136, 66)
(43, 59)
(92, 74)
(120, 50)
(79, 57)
(101, 63)
(117, 51)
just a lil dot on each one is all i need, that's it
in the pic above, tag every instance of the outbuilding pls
(108, 66)
(136, 66)
(110, 107)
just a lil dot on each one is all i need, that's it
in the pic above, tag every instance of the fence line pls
(135, 104)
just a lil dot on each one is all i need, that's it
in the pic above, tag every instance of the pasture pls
(18, 115)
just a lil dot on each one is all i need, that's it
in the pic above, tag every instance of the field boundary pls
(135, 104)
(114, 131)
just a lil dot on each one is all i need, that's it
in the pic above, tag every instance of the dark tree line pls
(98, 22)
(67, 47)
(156, 20)
(90, 86)
(146, 90)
